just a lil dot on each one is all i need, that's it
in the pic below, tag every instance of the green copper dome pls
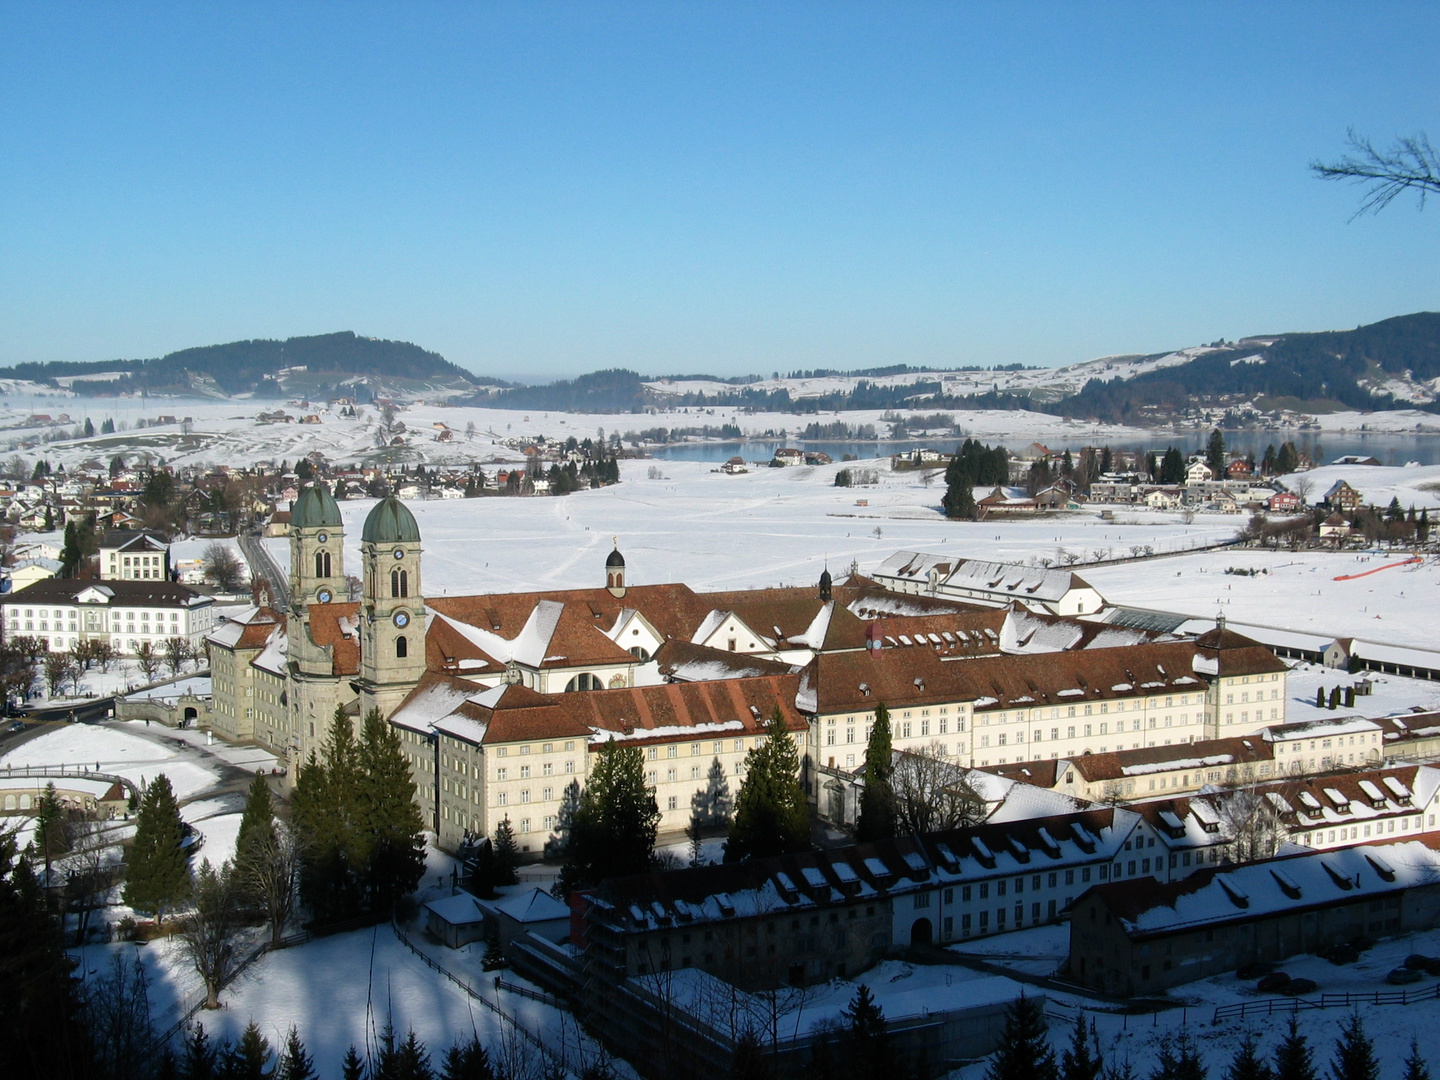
(390, 523)
(314, 509)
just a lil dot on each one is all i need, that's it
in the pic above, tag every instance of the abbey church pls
(501, 699)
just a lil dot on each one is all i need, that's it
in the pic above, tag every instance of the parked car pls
(18, 725)
(1296, 987)
(1402, 975)
(1341, 954)
(1254, 970)
(1272, 983)
(1419, 961)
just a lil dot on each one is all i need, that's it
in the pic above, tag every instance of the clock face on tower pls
(399, 553)
(401, 619)
(323, 596)
(323, 537)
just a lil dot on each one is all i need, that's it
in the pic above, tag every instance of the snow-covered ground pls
(133, 756)
(1297, 592)
(751, 530)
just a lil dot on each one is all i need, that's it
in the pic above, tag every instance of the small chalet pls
(734, 466)
(788, 455)
(1283, 502)
(1335, 527)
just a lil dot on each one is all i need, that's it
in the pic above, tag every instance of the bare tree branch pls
(1410, 164)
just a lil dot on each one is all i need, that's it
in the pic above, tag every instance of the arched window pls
(402, 647)
(640, 652)
(322, 564)
(583, 681)
(399, 583)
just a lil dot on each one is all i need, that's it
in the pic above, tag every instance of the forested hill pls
(1386, 365)
(259, 366)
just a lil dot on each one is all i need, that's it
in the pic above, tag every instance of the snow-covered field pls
(132, 756)
(756, 529)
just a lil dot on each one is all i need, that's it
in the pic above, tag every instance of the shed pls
(531, 912)
(456, 920)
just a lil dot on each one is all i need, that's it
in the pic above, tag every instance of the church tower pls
(392, 615)
(615, 571)
(317, 549)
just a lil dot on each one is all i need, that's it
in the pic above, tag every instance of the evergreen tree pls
(1247, 1064)
(394, 828)
(1293, 1060)
(507, 853)
(352, 1067)
(256, 839)
(1354, 1053)
(325, 812)
(1215, 454)
(867, 1039)
(613, 831)
(200, 1059)
(1320, 697)
(959, 500)
(249, 1059)
(1024, 1052)
(877, 801)
(41, 1030)
(467, 1061)
(295, 1063)
(89, 428)
(1415, 1067)
(1179, 1059)
(771, 813)
(158, 876)
(70, 554)
(49, 828)
(1079, 1062)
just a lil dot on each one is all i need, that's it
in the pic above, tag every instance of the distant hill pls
(1386, 365)
(264, 367)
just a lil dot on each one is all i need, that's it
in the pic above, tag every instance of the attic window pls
(1237, 895)
(1384, 869)
(865, 689)
(920, 684)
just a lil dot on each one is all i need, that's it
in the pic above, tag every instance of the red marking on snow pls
(1387, 566)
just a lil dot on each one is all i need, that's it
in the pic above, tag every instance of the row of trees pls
(1025, 1054)
(26, 662)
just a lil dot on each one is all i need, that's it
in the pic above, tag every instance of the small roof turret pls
(389, 523)
(315, 508)
(615, 558)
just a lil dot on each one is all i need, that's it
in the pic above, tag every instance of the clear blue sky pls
(536, 190)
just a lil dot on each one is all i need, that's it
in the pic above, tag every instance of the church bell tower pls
(392, 614)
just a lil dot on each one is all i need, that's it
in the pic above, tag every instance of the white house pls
(64, 611)
(134, 556)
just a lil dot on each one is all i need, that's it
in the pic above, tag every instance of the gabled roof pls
(123, 593)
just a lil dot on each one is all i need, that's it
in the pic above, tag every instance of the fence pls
(1327, 1001)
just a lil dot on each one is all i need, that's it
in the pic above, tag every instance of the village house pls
(1342, 497)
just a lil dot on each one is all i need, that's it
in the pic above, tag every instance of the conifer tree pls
(325, 812)
(49, 828)
(613, 831)
(1078, 1062)
(395, 831)
(1415, 1067)
(41, 1029)
(507, 853)
(1293, 1059)
(1179, 1059)
(352, 1067)
(248, 1059)
(295, 1062)
(1215, 454)
(1024, 1052)
(200, 1059)
(158, 876)
(771, 814)
(867, 1039)
(257, 838)
(467, 1061)
(1354, 1053)
(1247, 1064)
(412, 1060)
(877, 801)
